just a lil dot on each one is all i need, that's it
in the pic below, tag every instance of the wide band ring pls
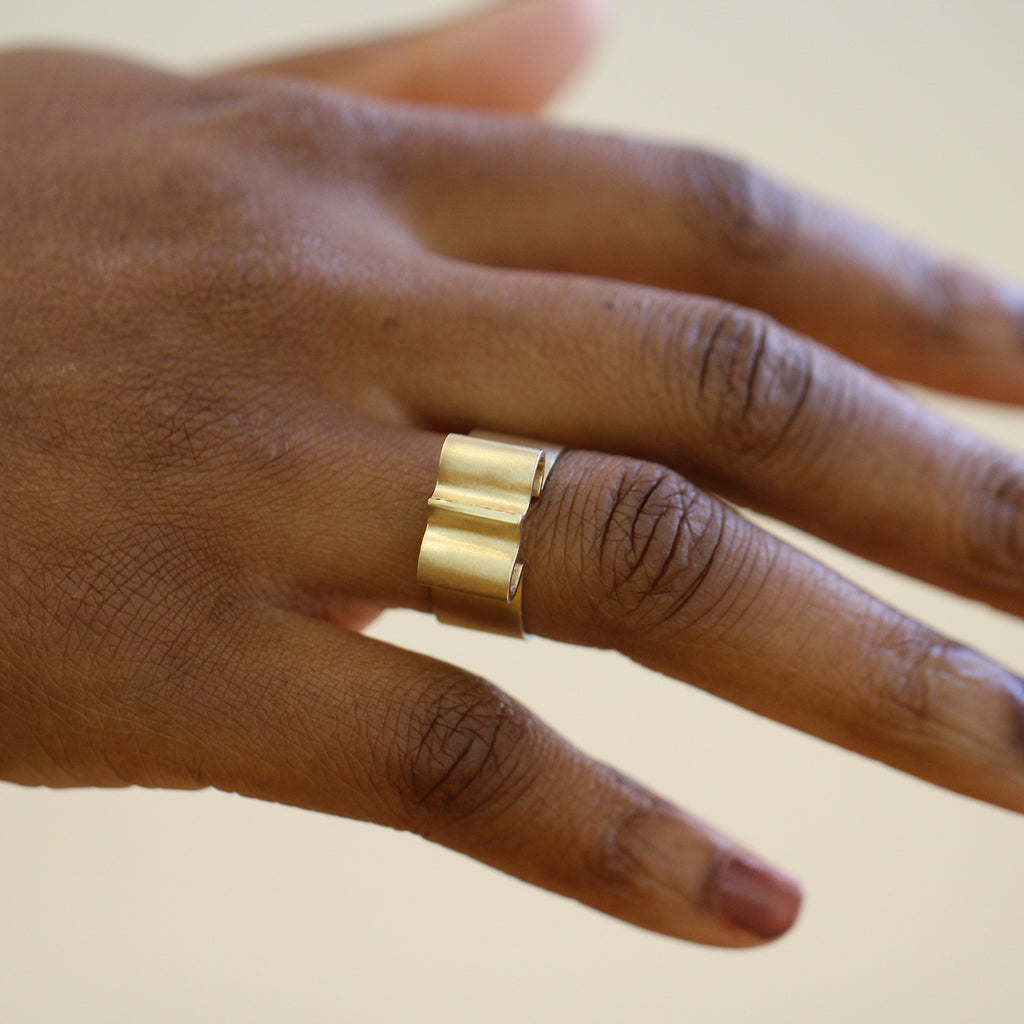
(469, 556)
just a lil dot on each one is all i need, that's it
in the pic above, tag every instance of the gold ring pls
(469, 556)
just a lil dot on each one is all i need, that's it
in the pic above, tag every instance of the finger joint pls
(657, 540)
(993, 531)
(746, 213)
(463, 755)
(753, 381)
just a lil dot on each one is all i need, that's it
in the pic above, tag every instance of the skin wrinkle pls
(614, 862)
(922, 699)
(730, 351)
(1006, 714)
(673, 549)
(1009, 496)
(722, 322)
(798, 403)
(462, 749)
(759, 345)
(698, 585)
(755, 593)
(709, 891)
(631, 527)
(951, 296)
(744, 348)
(751, 405)
(911, 692)
(618, 526)
(472, 735)
(672, 557)
(995, 532)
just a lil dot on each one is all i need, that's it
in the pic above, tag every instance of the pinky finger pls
(341, 723)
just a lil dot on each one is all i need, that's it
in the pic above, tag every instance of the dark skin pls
(242, 311)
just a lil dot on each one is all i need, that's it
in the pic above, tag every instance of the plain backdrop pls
(136, 906)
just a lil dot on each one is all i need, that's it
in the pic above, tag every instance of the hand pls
(240, 313)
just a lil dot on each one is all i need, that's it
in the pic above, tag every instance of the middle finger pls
(741, 405)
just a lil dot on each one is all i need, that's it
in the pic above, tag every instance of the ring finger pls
(625, 553)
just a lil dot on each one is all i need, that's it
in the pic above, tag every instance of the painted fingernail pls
(755, 897)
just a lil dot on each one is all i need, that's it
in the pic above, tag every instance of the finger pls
(690, 221)
(510, 56)
(740, 405)
(628, 554)
(336, 722)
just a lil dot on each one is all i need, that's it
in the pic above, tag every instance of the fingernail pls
(755, 897)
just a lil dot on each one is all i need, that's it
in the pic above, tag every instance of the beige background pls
(156, 907)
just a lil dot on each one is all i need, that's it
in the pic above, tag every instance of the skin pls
(240, 313)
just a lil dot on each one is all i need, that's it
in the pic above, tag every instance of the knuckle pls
(944, 704)
(210, 191)
(938, 297)
(741, 209)
(286, 118)
(753, 379)
(907, 702)
(175, 195)
(163, 191)
(656, 538)
(948, 298)
(258, 272)
(463, 756)
(993, 528)
(295, 128)
(618, 861)
(622, 859)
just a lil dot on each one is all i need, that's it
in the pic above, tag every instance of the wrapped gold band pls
(469, 556)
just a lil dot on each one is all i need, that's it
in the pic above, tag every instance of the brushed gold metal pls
(469, 556)
(551, 451)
